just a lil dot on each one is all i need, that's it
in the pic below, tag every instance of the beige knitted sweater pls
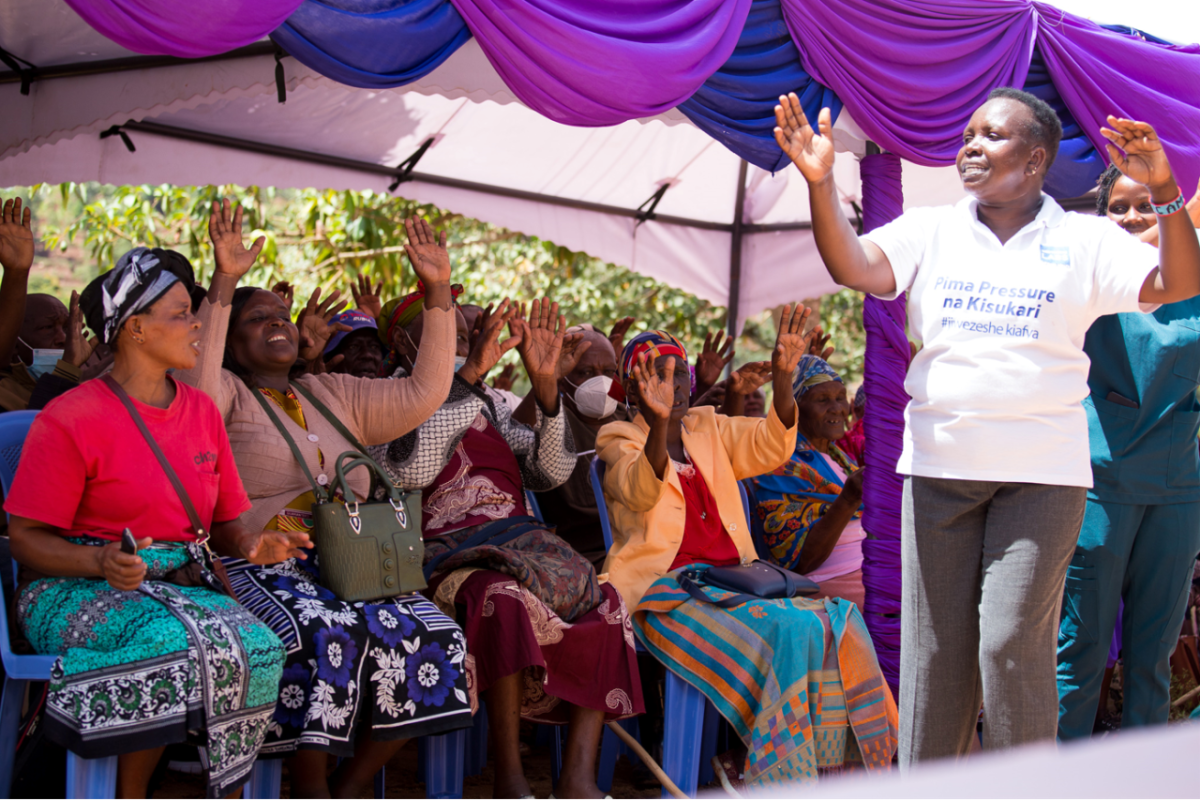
(374, 410)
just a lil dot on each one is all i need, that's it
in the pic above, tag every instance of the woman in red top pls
(144, 637)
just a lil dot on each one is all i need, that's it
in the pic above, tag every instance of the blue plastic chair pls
(687, 756)
(86, 777)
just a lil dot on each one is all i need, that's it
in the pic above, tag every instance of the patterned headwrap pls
(402, 311)
(811, 371)
(656, 343)
(140, 277)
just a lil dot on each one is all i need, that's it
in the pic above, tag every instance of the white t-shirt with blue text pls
(998, 384)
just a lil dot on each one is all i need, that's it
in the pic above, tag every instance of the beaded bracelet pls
(1170, 208)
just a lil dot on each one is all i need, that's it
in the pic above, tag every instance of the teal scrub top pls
(1145, 455)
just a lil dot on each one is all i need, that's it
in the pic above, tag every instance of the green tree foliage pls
(327, 238)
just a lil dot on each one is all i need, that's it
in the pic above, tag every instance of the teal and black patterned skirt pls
(157, 666)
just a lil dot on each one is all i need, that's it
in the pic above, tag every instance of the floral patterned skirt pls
(395, 665)
(589, 662)
(161, 665)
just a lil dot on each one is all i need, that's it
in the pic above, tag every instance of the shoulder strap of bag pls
(688, 583)
(324, 411)
(789, 583)
(494, 533)
(217, 567)
(193, 517)
(291, 443)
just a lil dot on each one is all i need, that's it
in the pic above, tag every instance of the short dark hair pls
(1045, 129)
(1105, 182)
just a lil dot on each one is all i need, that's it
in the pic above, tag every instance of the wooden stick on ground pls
(636, 747)
(1186, 697)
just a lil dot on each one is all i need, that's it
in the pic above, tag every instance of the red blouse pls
(705, 540)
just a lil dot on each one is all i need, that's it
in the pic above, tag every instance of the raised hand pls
(225, 231)
(818, 347)
(507, 377)
(481, 321)
(366, 296)
(716, 353)
(427, 252)
(810, 151)
(1143, 159)
(316, 324)
(791, 342)
(79, 347)
(285, 292)
(487, 349)
(656, 395)
(542, 334)
(573, 349)
(271, 547)
(747, 378)
(16, 237)
(617, 335)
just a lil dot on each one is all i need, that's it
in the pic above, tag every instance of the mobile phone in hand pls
(128, 543)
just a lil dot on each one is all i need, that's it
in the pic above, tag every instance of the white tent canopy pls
(219, 121)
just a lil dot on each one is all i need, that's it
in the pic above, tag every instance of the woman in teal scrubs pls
(1141, 529)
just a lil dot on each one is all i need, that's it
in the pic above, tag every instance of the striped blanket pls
(794, 678)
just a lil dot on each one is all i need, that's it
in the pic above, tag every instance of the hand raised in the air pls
(811, 151)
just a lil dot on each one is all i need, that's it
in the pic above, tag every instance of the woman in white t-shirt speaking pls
(1002, 288)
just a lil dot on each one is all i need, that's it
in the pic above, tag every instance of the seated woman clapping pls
(361, 678)
(548, 641)
(811, 506)
(152, 649)
(671, 488)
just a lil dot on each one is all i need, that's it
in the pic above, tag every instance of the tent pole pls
(309, 157)
(128, 63)
(735, 255)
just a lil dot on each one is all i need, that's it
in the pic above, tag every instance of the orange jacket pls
(647, 513)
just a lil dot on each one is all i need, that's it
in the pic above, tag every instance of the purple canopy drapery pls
(912, 71)
(182, 28)
(1100, 72)
(888, 354)
(588, 63)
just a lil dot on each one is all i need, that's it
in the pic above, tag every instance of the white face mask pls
(591, 397)
(44, 360)
(459, 362)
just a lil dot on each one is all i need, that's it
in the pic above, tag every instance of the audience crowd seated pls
(533, 614)
(810, 507)
(548, 641)
(341, 692)
(800, 673)
(148, 640)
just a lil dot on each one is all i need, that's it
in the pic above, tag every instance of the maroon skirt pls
(533, 605)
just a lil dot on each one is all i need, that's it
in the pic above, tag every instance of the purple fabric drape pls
(181, 28)
(887, 360)
(1100, 72)
(911, 72)
(589, 63)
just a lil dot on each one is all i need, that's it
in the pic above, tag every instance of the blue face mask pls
(459, 362)
(44, 360)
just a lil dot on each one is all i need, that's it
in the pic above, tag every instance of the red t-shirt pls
(705, 540)
(85, 467)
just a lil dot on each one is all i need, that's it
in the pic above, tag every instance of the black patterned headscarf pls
(140, 278)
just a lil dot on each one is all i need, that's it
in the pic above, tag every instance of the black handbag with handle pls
(368, 550)
(759, 580)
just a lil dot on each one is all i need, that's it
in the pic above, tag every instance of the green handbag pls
(369, 550)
